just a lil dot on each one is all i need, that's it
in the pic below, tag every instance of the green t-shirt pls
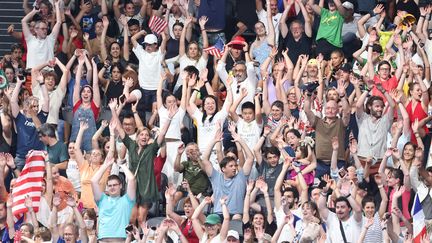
(197, 178)
(330, 27)
(147, 190)
(58, 153)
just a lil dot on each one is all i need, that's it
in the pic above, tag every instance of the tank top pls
(188, 232)
(417, 113)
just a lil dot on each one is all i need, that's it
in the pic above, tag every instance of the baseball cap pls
(212, 219)
(150, 39)
(312, 61)
(346, 67)
(237, 43)
(234, 234)
(348, 5)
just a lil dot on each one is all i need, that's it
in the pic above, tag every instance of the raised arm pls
(322, 201)
(233, 108)
(205, 162)
(195, 221)
(79, 157)
(279, 183)
(103, 50)
(249, 155)
(316, 8)
(97, 193)
(131, 182)
(96, 90)
(226, 218)
(56, 29)
(24, 23)
(78, 219)
(182, 45)
(271, 40)
(202, 21)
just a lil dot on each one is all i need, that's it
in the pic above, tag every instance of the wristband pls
(196, 90)
(324, 194)
(341, 96)
(245, 51)
(380, 186)
(422, 16)
(40, 84)
(372, 13)
(384, 228)
(347, 196)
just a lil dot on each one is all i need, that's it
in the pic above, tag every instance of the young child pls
(303, 156)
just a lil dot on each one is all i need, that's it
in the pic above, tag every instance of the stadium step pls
(11, 12)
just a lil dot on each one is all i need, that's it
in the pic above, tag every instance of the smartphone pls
(342, 173)
(297, 164)
(129, 228)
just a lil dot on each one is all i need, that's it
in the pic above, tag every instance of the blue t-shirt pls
(27, 135)
(234, 188)
(114, 213)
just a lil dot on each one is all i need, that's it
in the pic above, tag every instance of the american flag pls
(217, 50)
(29, 183)
(157, 25)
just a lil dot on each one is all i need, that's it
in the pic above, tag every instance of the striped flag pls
(157, 25)
(217, 50)
(419, 226)
(29, 183)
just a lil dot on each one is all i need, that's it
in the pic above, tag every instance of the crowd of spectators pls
(310, 125)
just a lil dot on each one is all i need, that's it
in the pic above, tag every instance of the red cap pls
(237, 43)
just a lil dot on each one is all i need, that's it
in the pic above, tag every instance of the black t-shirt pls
(296, 48)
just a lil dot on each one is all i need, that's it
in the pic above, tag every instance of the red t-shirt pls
(388, 85)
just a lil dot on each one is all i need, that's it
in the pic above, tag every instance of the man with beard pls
(374, 124)
(345, 227)
(244, 76)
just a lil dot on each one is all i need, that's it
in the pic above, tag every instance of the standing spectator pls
(228, 181)
(329, 35)
(40, 46)
(374, 123)
(56, 149)
(150, 68)
(298, 38)
(29, 120)
(86, 102)
(346, 222)
(114, 209)
(328, 127)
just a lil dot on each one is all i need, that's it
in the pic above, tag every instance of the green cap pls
(212, 219)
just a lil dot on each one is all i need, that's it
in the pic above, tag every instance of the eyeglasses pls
(112, 185)
(239, 70)
(42, 28)
(384, 69)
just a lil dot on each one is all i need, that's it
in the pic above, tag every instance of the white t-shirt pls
(250, 132)
(216, 239)
(55, 101)
(175, 125)
(280, 218)
(39, 51)
(249, 83)
(207, 130)
(352, 229)
(149, 67)
(72, 171)
(185, 61)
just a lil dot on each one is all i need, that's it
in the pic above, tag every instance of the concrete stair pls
(11, 12)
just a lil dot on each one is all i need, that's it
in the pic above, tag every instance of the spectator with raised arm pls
(150, 65)
(40, 47)
(29, 120)
(114, 208)
(142, 153)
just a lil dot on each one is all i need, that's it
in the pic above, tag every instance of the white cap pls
(150, 39)
(234, 234)
(348, 5)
